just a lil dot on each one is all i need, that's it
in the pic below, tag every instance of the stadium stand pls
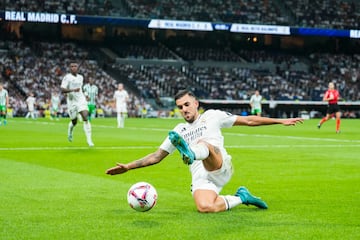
(211, 67)
(325, 14)
(336, 14)
(39, 68)
(286, 82)
(81, 7)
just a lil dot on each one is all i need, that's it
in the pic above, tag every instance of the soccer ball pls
(142, 196)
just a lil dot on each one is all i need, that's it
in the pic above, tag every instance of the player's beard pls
(190, 118)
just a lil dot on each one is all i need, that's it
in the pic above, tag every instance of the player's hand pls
(292, 121)
(118, 169)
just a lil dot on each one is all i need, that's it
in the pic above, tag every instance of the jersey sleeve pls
(251, 99)
(167, 146)
(85, 89)
(64, 82)
(225, 119)
(327, 94)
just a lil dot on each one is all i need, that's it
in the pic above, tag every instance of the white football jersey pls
(71, 82)
(121, 99)
(207, 127)
(30, 101)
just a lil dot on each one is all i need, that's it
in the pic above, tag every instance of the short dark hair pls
(182, 93)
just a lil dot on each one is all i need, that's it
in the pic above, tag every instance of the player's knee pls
(205, 207)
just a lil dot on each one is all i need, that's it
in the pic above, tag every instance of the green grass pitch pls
(53, 189)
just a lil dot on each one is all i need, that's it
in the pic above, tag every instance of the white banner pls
(261, 29)
(354, 33)
(40, 17)
(180, 25)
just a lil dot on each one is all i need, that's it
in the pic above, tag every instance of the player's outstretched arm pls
(292, 121)
(259, 121)
(118, 169)
(151, 159)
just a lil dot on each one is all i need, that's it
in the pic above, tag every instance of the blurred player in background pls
(201, 145)
(332, 97)
(121, 98)
(71, 85)
(31, 102)
(91, 92)
(255, 103)
(54, 106)
(4, 103)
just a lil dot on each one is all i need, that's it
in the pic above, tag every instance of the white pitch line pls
(149, 147)
(297, 146)
(293, 137)
(96, 126)
(228, 133)
(74, 148)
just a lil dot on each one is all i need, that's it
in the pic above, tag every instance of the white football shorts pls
(215, 180)
(74, 107)
(121, 108)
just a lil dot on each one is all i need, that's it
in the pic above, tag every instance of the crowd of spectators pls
(142, 52)
(80, 7)
(238, 83)
(138, 79)
(280, 75)
(340, 68)
(246, 11)
(207, 54)
(40, 67)
(336, 14)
